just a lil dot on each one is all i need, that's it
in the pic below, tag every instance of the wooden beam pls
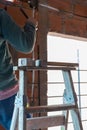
(42, 45)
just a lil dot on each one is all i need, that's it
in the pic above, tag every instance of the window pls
(61, 49)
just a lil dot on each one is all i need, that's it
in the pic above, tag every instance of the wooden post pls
(42, 43)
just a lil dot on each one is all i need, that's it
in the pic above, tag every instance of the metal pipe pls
(49, 7)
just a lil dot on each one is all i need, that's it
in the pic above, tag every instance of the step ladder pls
(70, 99)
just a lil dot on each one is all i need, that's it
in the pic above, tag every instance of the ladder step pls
(50, 108)
(63, 64)
(45, 122)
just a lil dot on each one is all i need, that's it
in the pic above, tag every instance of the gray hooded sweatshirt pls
(22, 39)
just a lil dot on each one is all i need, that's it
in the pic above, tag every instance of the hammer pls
(33, 4)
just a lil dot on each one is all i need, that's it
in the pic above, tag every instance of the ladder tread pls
(49, 108)
(45, 122)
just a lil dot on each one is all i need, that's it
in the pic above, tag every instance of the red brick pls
(80, 10)
(61, 4)
(75, 26)
(55, 22)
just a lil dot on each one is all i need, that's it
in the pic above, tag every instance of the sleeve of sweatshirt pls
(21, 39)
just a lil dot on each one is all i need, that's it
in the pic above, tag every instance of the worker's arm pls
(21, 39)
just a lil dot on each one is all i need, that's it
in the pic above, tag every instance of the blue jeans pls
(6, 112)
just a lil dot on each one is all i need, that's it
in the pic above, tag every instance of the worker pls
(23, 40)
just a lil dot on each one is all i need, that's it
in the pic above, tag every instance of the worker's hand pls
(32, 21)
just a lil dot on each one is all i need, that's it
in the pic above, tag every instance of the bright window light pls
(10, 0)
(61, 49)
